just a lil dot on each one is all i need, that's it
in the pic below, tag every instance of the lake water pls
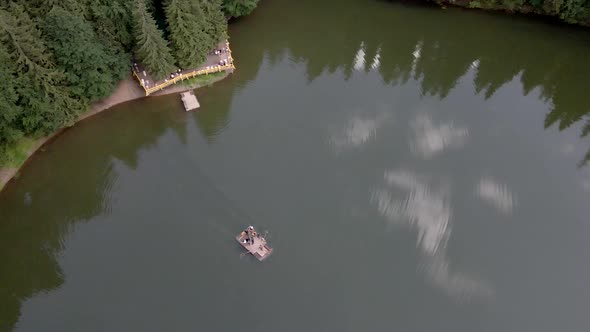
(416, 169)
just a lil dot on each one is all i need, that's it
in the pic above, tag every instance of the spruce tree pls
(237, 8)
(216, 22)
(9, 110)
(39, 8)
(189, 39)
(91, 71)
(151, 49)
(46, 104)
(113, 23)
(23, 42)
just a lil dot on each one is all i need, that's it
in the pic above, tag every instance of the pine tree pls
(237, 8)
(9, 110)
(90, 69)
(113, 23)
(39, 8)
(46, 104)
(151, 49)
(23, 42)
(216, 22)
(189, 39)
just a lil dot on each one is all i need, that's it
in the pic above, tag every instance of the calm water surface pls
(417, 169)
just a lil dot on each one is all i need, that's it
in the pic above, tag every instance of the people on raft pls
(248, 235)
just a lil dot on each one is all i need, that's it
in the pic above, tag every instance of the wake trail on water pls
(230, 218)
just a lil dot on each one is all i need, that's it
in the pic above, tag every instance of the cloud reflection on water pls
(359, 58)
(431, 139)
(376, 60)
(427, 208)
(358, 131)
(496, 194)
(457, 285)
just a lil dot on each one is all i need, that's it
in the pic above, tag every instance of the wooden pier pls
(189, 100)
(218, 60)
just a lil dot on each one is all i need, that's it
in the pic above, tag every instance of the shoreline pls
(127, 90)
(526, 10)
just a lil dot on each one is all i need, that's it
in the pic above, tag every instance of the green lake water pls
(416, 169)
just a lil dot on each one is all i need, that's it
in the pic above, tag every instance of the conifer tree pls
(91, 71)
(216, 22)
(237, 8)
(23, 42)
(46, 104)
(9, 110)
(151, 49)
(113, 23)
(186, 24)
(39, 8)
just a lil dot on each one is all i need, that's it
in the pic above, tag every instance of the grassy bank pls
(16, 154)
(203, 80)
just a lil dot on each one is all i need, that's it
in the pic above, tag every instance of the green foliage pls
(196, 27)
(151, 49)
(15, 153)
(512, 4)
(44, 101)
(237, 8)
(23, 41)
(113, 22)
(475, 4)
(573, 10)
(91, 70)
(186, 23)
(39, 8)
(216, 24)
(9, 110)
(203, 80)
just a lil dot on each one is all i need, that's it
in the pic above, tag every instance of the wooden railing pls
(182, 77)
(185, 76)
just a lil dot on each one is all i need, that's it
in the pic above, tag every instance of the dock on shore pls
(189, 100)
(218, 60)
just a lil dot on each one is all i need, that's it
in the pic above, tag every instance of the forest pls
(59, 57)
(570, 11)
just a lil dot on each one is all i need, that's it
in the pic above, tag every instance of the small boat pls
(255, 243)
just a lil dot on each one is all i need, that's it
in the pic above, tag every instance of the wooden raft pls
(255, 243)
